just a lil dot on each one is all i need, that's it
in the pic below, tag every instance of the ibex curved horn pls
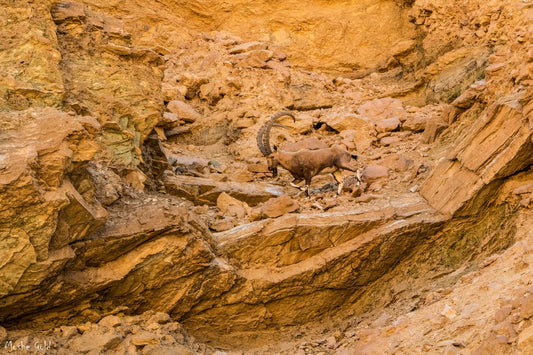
(263, 135)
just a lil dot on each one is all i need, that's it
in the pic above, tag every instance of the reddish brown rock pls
(415, 124)
(279, 206)
(385, 108)
(388, 124)
(184, 111)
(231, 206)
(375, 172)
(525, 340)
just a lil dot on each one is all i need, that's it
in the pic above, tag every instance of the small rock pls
(526, 306)
(390, 140)
(279, 206)
(493, 344)
(68, 331)
(110, 321)
(95, 341)
(383, 108)
(502, 313)
(448, 312)
(184, 111)
(524, 189)
(223, 224)
(397, 162)
(160, 317)
(375, 172)
(232, 207)
(388, 124)
(255, 58)
(249, 46)
(169, 120)
(258, 168)
(415, 124)
(331, 342)
(144, 338)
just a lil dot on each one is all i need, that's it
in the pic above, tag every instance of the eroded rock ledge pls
(80, 240)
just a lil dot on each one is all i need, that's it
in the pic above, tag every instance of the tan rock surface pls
(128, 134)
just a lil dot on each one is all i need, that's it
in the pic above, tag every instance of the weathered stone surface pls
(388, 124)
(183, 110)
(341, 122)
(97, 60)
(279, 206)
(95, 340)
(381, 109)
(255, 58)
(525, 340)
(415, 124)
(375, 172)
(248, 46)
(231, 206)
(495, 148)
(67, 260)
(434, 127)
(37, 150)
(306, 143)
(202, 190)
(397, 162)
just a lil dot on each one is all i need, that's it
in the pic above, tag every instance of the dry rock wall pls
(131, 181)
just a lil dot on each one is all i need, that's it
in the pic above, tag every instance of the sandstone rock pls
(448, 312)
(78, 219)
(144, 338)
(526, 306)
(306, 143)
(248, 46)
(254, 59)
(135, 179)
(375, 172)
(206, 191)
(434, 127)
(385, 108)
(341, 122)
(231, 206)
(160, 318)
(110, 322)
(493, 344)
(524, 189)
(68, 11)
(169, 120)
(183, 110)
(95, 340)
(397, 162)
(3, 334)
(502, 313)
(258, 168)
(525, 340)
(171, 92)
(480, 160)
(390, 140)
(415, 124)
(279, 206)
(388, 124)
(69, 331)
(223, 224)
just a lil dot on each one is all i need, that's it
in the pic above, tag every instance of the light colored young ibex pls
(305, 163)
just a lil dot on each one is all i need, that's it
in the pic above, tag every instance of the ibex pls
(305, 163)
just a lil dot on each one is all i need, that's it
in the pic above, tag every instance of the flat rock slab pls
(206, 191)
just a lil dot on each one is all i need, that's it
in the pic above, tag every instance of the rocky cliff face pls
(131, 182)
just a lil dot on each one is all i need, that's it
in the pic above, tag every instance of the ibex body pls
(305, 163)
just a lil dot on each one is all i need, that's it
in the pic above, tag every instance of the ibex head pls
(263, 140)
